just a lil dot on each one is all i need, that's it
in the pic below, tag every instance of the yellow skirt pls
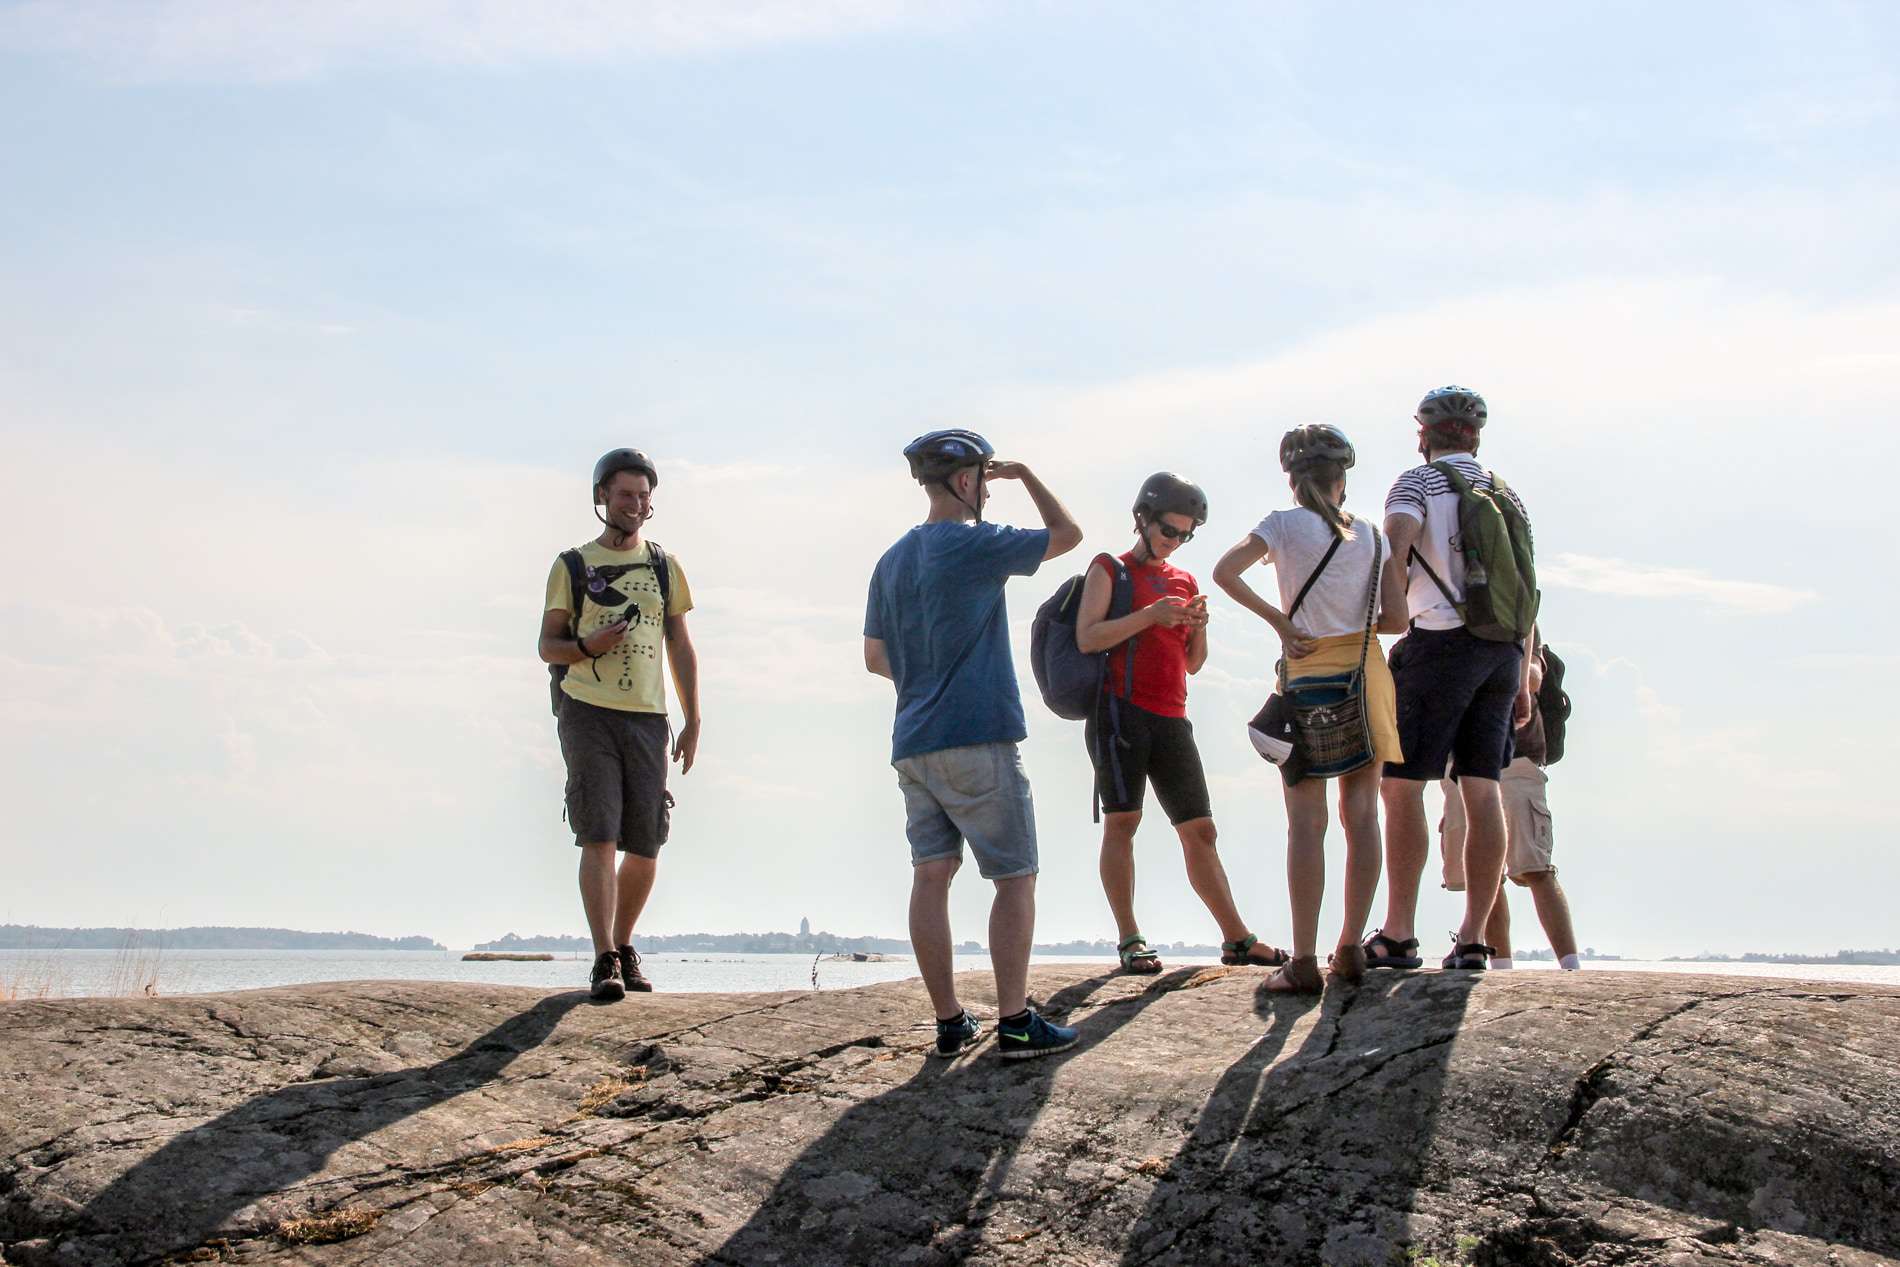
(1340, 654)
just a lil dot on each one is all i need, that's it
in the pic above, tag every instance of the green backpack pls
(1501, 595)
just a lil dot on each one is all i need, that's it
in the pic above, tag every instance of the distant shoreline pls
(148, 940)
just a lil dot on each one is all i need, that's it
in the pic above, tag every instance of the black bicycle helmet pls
(611, 464)
(1315, 442)
(937, 455)
(1452, 404)
(1165, 493)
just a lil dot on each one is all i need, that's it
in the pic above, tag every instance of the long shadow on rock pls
(1316, 1158)
(914, 1174)
(182, 1194)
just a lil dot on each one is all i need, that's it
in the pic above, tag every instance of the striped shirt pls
(1426, 495)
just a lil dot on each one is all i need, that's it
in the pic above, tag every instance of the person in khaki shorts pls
(1528, 842)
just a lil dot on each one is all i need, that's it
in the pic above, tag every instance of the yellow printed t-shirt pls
(621, 585)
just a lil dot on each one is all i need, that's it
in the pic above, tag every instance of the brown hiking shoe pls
(607, 986)
(630, 970)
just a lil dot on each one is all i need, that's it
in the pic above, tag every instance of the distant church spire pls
(804, 927)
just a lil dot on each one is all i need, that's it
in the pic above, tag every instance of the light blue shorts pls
(977, 793)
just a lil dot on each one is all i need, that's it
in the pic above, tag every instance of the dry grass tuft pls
(1152, 1166)
(601, 1094)
(326, 1229)
(1208, 976)
(523, 1145)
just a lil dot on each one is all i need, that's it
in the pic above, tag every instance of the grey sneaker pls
(1033, 1037)
(607, 985)
(954, 1036)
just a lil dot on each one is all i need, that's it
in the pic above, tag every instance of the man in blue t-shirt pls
(935, 625)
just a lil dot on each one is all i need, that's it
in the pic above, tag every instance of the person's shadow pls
(1267, 1117)
(181, 1195)
(940, 1145)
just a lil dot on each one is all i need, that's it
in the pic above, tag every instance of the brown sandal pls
(1348, 963)
(1299, 975)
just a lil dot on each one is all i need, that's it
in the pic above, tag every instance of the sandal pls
(1141, 963)
(1472, 956)
(1348, 963)
(1299, 975)
(1241, 951)
(1390, 952)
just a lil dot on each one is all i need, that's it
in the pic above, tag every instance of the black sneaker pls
(607, 985)
(630, 970)
(954, 1036)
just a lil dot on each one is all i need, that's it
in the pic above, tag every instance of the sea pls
(32, 974)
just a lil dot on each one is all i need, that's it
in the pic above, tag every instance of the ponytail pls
(1313, 482)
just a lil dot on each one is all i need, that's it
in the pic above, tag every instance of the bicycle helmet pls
(1452, 404)
(1315, 442)
(937, 455)
(1165, 493)
(611, 464)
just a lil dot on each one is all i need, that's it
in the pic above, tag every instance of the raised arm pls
(1064, 534)
(1248, 551)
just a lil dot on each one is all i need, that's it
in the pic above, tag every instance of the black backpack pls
(1069, 678)
(1553, 704)
(580, 582)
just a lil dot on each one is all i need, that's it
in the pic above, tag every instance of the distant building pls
(804, 927)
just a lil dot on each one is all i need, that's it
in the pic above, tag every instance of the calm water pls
(40, 973)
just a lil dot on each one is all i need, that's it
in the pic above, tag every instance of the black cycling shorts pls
(1152, 749)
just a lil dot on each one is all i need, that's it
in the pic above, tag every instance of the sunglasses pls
(1173, 533)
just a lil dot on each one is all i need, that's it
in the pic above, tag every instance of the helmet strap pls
(618, 534)
(950, 486)
(1143, 551)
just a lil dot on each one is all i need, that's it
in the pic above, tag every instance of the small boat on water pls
(490, 956)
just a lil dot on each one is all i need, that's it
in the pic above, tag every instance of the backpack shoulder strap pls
(1326, 558)
(662, 575)
(576, 584)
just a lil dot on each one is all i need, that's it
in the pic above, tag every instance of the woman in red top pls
(1140, 734)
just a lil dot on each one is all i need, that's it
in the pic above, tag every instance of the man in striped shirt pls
(1459, 696)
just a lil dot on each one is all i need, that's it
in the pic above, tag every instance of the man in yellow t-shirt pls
(610, 638)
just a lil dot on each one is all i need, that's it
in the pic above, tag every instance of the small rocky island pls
(1593, 1118)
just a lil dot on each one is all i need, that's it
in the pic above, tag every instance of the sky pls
(315, 316)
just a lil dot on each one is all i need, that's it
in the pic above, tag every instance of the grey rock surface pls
(1537, 1118)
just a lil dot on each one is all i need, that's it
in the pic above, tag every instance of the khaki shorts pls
(1528, 838)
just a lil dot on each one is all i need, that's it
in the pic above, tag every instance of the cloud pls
(1624, 579)
(296, 38)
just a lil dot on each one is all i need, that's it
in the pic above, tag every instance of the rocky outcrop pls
(1590, 1118)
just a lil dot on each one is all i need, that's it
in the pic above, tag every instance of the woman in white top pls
(1334, 557)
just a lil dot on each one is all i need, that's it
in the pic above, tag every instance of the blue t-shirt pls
(937, 603)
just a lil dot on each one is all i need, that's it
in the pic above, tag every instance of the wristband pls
(580, 642)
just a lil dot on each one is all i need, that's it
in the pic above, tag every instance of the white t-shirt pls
(1297, 540)
(1426, 495)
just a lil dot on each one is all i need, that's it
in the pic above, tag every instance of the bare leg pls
(635, 884)
(1407, 845)
(1484, 854)
(1208, 878)
(930, 932)
(1497, 929)
(597, 892)
(1118, 869)
(1306, 860)
(1553, 912)
(1359, 815)
(1012, 929)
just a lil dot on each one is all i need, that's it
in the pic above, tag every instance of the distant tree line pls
(1860, 957)
(33, 937)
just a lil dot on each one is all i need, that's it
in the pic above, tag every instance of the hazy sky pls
(314, 316)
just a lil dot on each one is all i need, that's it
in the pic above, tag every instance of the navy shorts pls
(1153, 749)
(1456, 695)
